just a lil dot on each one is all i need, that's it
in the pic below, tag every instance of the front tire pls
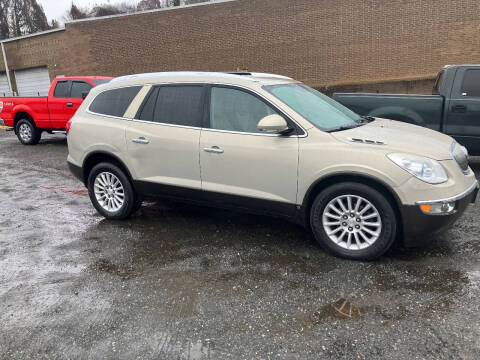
(353, 221)
(27, 132)
(111, 192)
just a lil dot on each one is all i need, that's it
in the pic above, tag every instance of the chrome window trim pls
(195, 127)
(453, 198)
(166, 124)
(108, 116)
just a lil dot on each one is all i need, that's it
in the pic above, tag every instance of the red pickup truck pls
(30, 116)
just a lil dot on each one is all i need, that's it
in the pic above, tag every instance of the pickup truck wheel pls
(111, 192)
(27, 132)
(353, 221)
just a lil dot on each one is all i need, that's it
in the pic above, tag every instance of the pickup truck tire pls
(111, 192)
(353, 221)
(27, 132)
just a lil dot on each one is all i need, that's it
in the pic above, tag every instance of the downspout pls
(6, 67)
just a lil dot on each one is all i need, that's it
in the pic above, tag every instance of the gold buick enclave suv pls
(268, 144)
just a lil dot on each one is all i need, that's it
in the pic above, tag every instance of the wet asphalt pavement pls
(183, 282)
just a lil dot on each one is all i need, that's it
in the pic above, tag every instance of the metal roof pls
(212, 2)
(32, 35)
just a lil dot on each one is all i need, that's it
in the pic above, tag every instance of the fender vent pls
(365, 141)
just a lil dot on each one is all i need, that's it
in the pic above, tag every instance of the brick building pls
(395, 45)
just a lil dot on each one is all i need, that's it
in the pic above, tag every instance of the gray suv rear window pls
(114, 102)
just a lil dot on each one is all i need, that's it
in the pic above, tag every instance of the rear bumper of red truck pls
(5, 123)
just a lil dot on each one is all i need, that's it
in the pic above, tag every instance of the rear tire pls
(111, 192)
(27, 132)
(353, 221)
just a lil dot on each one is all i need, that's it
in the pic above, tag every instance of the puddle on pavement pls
(341, 309)
(106, 266)
(169, 345)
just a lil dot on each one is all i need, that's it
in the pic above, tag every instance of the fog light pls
(438, 208)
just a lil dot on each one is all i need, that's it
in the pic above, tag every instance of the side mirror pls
(273, 124)
(85, 94)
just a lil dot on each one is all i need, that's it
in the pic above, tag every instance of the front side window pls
(114, 102)
(62, 89)
(471, 83)
(79, 88)
(176, 105)
(236, 110)
(320, 110)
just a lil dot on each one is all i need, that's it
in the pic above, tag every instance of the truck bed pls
(422, 110)
(38, 105)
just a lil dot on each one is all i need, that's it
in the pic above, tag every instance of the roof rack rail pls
(245, 73)
(260, 75)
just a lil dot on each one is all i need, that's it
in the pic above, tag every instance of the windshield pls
(322, 111)
(101, 81)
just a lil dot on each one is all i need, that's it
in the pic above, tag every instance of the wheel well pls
(374, 183)
(98, 158)
(21, 115)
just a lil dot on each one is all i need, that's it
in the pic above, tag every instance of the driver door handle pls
(459, 108)
(214, 150)
(141, 140)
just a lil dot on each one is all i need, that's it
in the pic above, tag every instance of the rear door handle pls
(69, 104)
(459, 108)
(214, 150)
(141, 140)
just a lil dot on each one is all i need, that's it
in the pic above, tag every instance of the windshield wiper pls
(365, 119)
(344, 127)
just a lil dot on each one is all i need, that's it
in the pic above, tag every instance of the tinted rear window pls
(177, 105)
(471, 83)
(78, 88)
(62, 90)
(114, 102)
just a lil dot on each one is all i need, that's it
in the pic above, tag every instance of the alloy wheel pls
(109, 191)
(352, 222)
(25, 132)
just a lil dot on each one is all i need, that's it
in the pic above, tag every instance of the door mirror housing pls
(85, 94)
(273, 124)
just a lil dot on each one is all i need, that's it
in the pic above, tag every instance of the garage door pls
(33, 82)
(4, 88)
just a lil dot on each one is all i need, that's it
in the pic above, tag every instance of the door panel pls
(238, 160)
(163, 154)
(163, 143)
(463, 109)
(58, 107)
(254, 166)
(65, 101)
